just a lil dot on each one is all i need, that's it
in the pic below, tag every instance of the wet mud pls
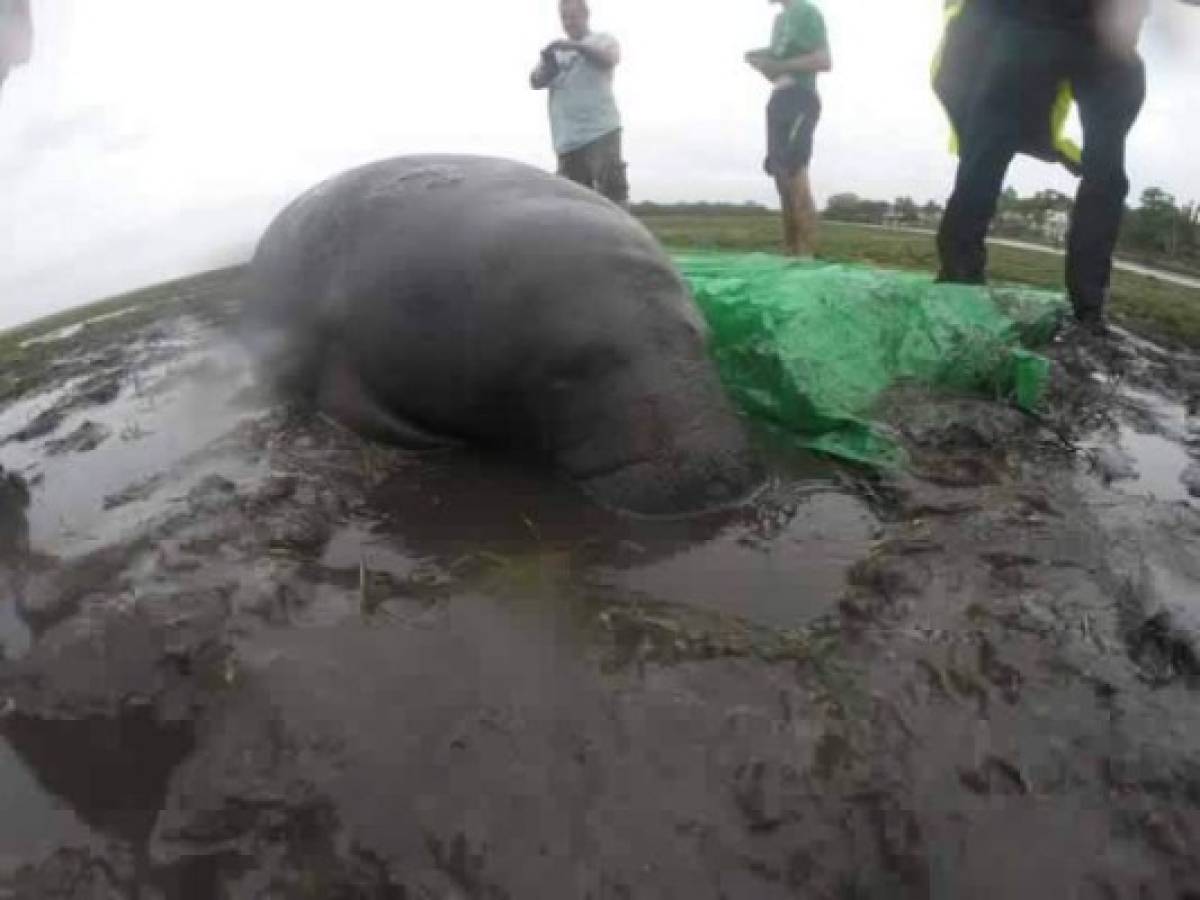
(249, 655)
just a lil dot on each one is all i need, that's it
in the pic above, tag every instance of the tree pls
(1189, 221)
(1156, 225)
(1053, 201)
(1010, 201)
(842, 203)
(853, 208)
(1156, 199)
(906, 209)
(1036, 210)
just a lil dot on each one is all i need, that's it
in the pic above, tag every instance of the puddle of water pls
(359, 544)
(175, 400)
(1160, 459)
(115, 789)
(1161, 463)
(15, 637)
(54, 796)
(162, 416)
(784, 581)
(32, 824)
(1179, 593)
(779, 561)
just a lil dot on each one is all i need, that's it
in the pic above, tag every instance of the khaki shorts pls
(598, 166)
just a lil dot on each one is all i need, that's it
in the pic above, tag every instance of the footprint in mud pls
(995, 777)
(99, 390)
(84, 439)
(43, 424)
(134, 493)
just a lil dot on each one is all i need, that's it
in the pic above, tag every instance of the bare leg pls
(804, 215)
(788, 207)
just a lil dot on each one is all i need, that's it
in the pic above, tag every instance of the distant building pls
(1011, 221)
(1055, 226)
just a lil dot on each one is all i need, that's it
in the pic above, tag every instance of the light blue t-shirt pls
(583, 107)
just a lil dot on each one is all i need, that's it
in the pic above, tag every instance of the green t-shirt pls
(799, 30)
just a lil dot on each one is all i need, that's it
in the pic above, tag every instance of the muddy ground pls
(247, 655)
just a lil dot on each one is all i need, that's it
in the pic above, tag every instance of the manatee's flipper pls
(345, 397)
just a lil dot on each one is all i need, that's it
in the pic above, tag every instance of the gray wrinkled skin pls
(425, 300)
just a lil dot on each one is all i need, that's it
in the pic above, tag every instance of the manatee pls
(428, 300)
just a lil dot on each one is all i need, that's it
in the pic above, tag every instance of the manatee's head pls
(663, 440)
(636, 413)
(705, 470)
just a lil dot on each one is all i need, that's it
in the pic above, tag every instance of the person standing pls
(16, 35)
(585, 124)
(1032, 49)
(799, 52)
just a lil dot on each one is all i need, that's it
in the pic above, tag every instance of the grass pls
(1164, 312)
(147, 300)
(26, 367)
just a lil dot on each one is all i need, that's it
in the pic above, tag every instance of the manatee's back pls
(447, 279)
(349, 255)
(283, 321)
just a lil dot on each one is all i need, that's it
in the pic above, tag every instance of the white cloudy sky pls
(157, 137)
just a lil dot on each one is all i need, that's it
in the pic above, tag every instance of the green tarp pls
(809, 349)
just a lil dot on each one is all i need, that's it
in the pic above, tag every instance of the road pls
(1123, 265)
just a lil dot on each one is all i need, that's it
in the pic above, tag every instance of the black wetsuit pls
(1034, 46)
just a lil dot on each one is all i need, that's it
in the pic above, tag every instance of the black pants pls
(792, 117)
(1020, 77)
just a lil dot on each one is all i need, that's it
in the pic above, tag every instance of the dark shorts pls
(598, 166)
(792, 116)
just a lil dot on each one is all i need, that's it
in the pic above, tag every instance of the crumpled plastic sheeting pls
(809, 348)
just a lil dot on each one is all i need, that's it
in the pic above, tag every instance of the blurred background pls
(150, 139)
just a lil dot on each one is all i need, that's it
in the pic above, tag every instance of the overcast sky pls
(151, 138)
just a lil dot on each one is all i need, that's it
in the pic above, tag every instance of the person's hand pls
(765, 63)
(771, 68)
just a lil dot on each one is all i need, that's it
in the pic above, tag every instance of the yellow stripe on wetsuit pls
(1059, 112)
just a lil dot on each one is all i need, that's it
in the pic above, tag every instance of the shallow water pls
(33, 824)
(1160, 456)
(778, 561)
(168, 410)
(1161, 463)
(519, 563)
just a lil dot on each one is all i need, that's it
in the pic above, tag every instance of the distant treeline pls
(1158, 229)
(698, 209)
